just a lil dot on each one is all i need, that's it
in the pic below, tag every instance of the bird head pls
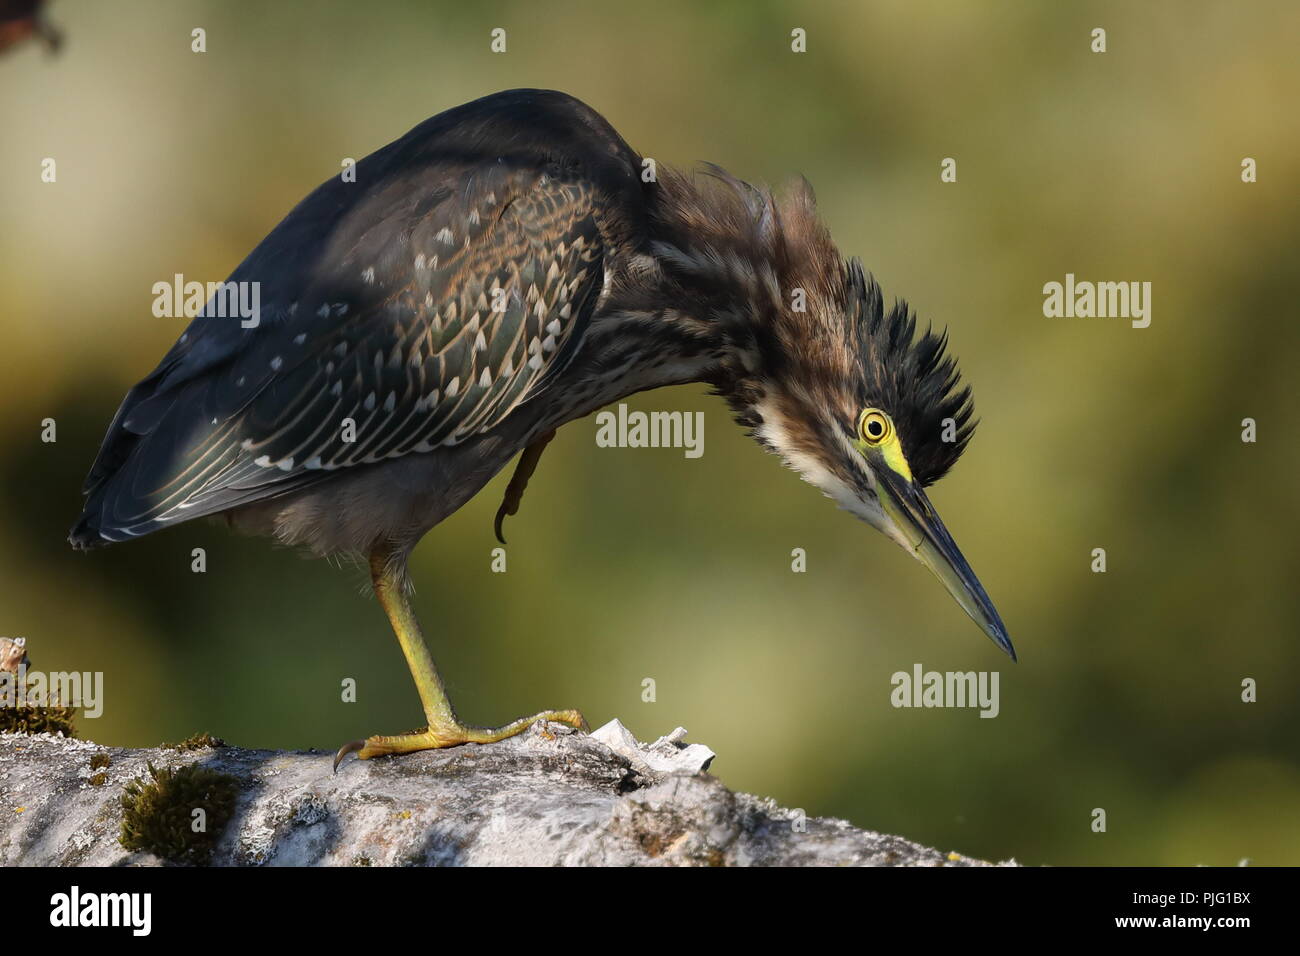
(843, 390)
(872, 414)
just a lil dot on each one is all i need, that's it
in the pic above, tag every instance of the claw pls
(501, 516)
(573, 718)
(349, 748)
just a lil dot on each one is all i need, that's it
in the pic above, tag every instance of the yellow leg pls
(444, 727)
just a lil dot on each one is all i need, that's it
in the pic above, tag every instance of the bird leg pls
(519, 481)
(444, 727)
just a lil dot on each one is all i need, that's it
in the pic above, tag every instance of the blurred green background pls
(632, 564)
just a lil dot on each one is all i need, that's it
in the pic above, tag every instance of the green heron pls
(502, 269)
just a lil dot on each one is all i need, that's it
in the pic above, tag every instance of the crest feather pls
(910, 377)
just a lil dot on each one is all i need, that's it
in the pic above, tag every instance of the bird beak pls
(923, 534)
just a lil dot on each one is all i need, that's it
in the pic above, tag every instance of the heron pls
(507, 267)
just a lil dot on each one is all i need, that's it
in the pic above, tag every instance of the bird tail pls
(85, 534)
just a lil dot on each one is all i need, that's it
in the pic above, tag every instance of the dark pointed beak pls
(932, 545)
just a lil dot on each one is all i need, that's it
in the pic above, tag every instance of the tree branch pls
(550, 796)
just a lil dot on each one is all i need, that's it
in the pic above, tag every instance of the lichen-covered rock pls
(549, 796)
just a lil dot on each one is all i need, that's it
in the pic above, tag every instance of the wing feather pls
(423, 323)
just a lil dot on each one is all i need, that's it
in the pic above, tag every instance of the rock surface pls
(547, 797)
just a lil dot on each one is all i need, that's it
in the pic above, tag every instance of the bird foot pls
(452, 734)
(519, 481)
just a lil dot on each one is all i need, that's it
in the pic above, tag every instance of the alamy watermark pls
(922, 688)
(74, 908)
(31, 688)
(1085, 300)
(222, 300)
(625, 429)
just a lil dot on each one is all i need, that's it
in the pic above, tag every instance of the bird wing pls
(410, 319)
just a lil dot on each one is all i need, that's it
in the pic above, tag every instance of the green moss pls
(99, 779)
(99, 760)
(204, 741)
(38, 719)
(159, 814)
(37, 716)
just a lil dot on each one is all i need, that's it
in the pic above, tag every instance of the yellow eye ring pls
(874, 426)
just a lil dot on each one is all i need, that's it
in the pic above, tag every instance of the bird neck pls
(637, 341)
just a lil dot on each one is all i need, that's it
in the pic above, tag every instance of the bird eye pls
(874, 426)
